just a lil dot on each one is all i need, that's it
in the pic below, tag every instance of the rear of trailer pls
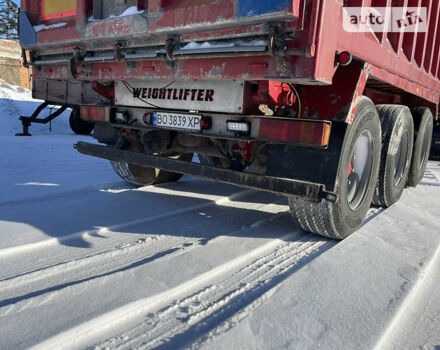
(285, 96)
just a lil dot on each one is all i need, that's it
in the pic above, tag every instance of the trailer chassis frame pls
(312, 192)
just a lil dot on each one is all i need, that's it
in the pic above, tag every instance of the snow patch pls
(38, 184)
(212, 44)
(41, 27)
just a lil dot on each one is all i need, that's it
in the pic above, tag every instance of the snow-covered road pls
(90, 262)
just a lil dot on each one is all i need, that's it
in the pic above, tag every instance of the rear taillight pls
(308, 133)
(95, 113)
(205, 123)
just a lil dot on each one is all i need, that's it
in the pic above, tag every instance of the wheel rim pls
(401, 159)
(359, 171)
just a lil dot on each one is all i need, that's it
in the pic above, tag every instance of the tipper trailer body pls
(275, 95)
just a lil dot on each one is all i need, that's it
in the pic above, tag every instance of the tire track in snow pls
(94, 267)
(38, 297)
(211, 294)
(142, 246)
(187, 319)
(62, 194)
(411, 304)
(120, 247)
(83, 235)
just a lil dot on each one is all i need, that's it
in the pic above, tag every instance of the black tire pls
(79, 126)
(422, 144)
(143, 176)
(397, 147)
(339, 220)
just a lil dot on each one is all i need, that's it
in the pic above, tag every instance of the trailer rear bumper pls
(309, 191)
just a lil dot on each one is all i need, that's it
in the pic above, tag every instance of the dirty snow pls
(88, 261)
(40, 27)
(212, 44)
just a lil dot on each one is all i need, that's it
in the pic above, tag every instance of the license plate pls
(177, 121)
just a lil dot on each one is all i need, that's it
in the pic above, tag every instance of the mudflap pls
(309, 164)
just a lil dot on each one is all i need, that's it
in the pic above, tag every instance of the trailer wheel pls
(397, 146)
(143, 176)
(422, 145)
(357, 176)
(79, 126)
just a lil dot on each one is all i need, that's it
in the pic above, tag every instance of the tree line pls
(8, 20)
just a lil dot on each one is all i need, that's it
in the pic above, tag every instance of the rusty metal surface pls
(302, 189)
(67, 92)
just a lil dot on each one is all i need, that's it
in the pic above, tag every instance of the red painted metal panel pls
(410, 38)
(33, 8)
(363, 46)
(432, 33)
(64, 34)
(319, 36)
(83, 9)
(394, 38)
(435, 53)
(422, 37)
(188, 12)
(406, 85)
(381, 3)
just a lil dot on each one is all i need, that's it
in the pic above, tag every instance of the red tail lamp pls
(205, 123)
(309, 133)
(95, 113)
(344, 58)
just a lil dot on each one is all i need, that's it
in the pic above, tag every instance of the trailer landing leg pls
(27, 121)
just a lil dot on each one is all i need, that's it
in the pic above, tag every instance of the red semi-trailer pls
(275, 95)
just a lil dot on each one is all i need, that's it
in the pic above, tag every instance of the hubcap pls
(360, 168)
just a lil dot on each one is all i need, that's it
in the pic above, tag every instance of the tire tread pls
(388, 115)
(325, 218)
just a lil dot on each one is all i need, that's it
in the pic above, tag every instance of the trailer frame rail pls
(312, 192)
